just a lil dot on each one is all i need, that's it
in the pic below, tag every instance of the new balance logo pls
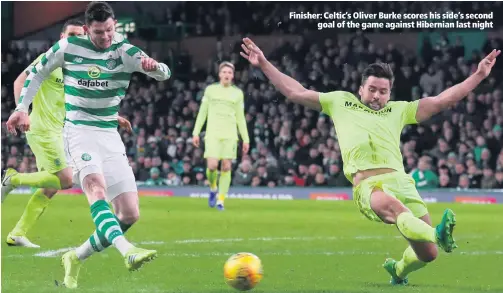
(78, 60)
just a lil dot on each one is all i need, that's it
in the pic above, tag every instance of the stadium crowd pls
(291, 145)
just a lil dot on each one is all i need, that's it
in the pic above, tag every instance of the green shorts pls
(220, 148)
(48, 150)
(397, 184)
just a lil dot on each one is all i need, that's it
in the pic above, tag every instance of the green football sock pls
(33, 210)
(42, 179)
(414, 228)
(212, 178)
(97, 242)
(224, 184)
(408, 264)
(106, 223)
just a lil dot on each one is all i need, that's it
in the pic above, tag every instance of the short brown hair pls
(226, 64)
(73, 21)
(99, 11)
(379, 70)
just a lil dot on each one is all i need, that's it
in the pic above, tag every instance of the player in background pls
(223, 105)
(45, 139)
(97, 70)
(368, 129)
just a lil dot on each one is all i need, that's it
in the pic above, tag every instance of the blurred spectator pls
(488, 180)
(172, 179)
(464, 182)
(499, 179)
(154, 179)
(243, 176)
(320, 180)
(425, 178)
(445, 181)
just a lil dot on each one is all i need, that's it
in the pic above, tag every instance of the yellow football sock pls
(224, 184)
(212, 178)
(408, 263)
(32, 212)
(41, 179)
(414, 228)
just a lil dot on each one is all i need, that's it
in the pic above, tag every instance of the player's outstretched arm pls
(51, 60)
(21, 79)
(288, 86)
(241, 121)
(201, 118)
(137, 61)
(431, 106)
(18, 85)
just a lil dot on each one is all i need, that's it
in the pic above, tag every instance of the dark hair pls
(380, 70)
(73, 21)
(98, 11)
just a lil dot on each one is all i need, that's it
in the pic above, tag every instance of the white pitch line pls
(327, 253)
(54, 253)
(219, 240)
(58, 252)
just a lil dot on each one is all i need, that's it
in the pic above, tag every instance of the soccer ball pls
(243, 271)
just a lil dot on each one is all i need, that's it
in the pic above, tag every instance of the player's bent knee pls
(49, 192)
(226, 165)
(212, 164)
(65, 178)
(130, 217)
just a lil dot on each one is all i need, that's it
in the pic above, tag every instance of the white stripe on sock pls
(98, 242)
(112, 229)
(101, 213)
(100, 226)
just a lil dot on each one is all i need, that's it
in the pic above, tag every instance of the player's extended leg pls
(422, 237)
(42, 179)
(127, 212)
(224, 182)
(415, 257)
(212, 175)
(51, 163)
(34, 209)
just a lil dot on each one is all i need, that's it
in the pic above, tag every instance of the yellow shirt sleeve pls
(409, 112)
(202, 114)
(327, 101)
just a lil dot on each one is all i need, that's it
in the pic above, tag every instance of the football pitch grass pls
(305, 246)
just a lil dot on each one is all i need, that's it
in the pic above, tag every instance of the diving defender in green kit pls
(368, 129)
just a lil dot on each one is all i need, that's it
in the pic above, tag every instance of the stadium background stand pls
(290, 145)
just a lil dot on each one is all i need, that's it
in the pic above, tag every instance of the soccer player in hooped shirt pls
(97, 69)
(45, 139)
(368, 129)
(223, 104)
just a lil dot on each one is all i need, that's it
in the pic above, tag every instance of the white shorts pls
(90, 151)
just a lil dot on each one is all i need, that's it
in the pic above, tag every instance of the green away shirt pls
(224, 108)
(368, 139)
(48, 110)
